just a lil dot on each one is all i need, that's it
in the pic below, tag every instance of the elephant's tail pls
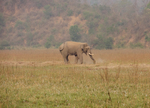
(61, 47)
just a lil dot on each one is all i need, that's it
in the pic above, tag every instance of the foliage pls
(4, 45)
(111, 29)
(47, 11)
(70, 13)
(103, 42)
(20, 34)
(38, 3)
(104, 9)
(2, 20)
(87, 15)
(109, 43)
(20, 25)
(148, 5)
(74, 32)
(98, 18)
(120, 45)
(29, 38)
(147, 38)
(92, 24)
(22, 1)
(49, 42)
(136, 45)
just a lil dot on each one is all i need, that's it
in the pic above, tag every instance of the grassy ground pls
(38, 78)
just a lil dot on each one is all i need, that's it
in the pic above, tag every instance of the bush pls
(47, 11)
(47, 45)
(29, 38)
(120, 45)
(74, 32)
(109, 43)
(70, 13)
(87, 15)
(38, 3)
(4, 45)
(23, 1)
(20, 25)
(20, 34)
(104, 9)
(136, 45)
(147, 38)
(148, 5)
(2, 21)
(92, 25)
(103, 43)
(49, 42)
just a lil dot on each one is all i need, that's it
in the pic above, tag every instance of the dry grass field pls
(39, 78)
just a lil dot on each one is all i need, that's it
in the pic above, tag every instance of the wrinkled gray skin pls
(75, 48)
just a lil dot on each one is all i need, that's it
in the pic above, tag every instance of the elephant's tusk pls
(91, 54)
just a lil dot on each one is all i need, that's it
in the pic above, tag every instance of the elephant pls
(77, 49)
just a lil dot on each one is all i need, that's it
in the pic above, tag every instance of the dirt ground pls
(104, 58)
(61, 63)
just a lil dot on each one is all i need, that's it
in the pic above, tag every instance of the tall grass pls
(58, 85)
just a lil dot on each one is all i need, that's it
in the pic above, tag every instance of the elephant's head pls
(87, 50)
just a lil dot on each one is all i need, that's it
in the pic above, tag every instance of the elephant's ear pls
(61, 47)
(83, 46)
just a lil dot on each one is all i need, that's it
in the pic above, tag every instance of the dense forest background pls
(103, 24)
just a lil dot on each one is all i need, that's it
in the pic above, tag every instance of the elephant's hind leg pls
(76, 59)
(65, 59)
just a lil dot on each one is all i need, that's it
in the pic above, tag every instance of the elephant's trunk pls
(92, 58)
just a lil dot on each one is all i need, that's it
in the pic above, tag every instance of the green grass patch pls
(73, 86)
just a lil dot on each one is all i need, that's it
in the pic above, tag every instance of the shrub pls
(99, 42)
(2, 20)
(4, 45)
(70, 13)
(104, 9)
(109, 43)
(97, 16)
(148, 5)
(91, 31)
(23, 1)
(29, 38)
(111, 29)
(103, 42)
(136, 45)
(47, 11)
(47, 45)
(38, 3)
(87, 15)
(120, 45)
(20, 34)
(20, 25)
(92, 25)
(147, 38)
(74, 32)
(49, 42)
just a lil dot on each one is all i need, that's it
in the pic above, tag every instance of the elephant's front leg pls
(66, 60)
(81, 58)
(76, 59)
